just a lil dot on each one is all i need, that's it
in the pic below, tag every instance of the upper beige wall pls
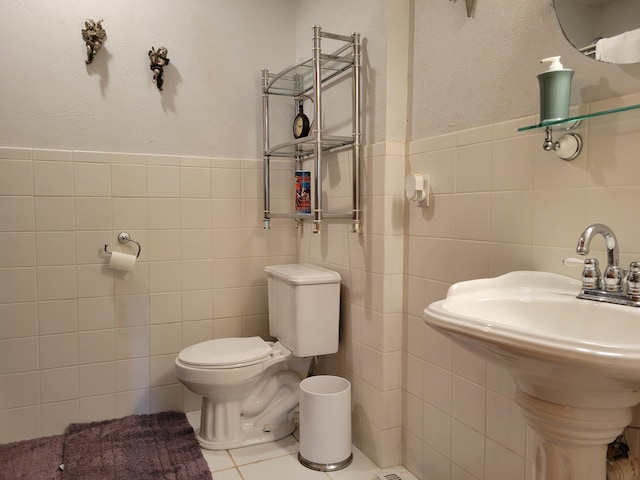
(476, 71)
(211, 104)
(373, 19)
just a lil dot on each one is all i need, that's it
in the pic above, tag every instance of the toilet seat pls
(226, 353)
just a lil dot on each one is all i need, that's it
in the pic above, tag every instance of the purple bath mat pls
(140, 447)
(37, 459)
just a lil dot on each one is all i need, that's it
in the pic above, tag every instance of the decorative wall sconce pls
(94, 37)
(158, 60)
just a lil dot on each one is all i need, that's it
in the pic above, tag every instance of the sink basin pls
(558, 347)
(576, 362)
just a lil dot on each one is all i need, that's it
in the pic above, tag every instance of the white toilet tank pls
(304, 308)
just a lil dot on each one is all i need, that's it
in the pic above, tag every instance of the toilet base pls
(250, 436)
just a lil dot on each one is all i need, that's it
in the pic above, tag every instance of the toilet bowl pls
(248, 391)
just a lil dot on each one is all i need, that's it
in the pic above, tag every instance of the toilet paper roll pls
(122, 261)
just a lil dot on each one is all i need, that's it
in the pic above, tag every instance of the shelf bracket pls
(568, 147)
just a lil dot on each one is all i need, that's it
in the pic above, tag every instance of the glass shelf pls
(298, 78)
(573, 122)
(304, 147)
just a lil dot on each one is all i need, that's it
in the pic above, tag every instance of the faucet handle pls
(613, 276)
(591, 276)
(633, 280)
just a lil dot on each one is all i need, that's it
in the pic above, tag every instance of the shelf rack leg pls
(266, 219)
(357, 129)
(317, 194)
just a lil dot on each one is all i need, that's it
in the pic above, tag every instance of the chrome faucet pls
(613, 274)
(615, 286)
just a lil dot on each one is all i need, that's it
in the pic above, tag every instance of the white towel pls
(623, 48)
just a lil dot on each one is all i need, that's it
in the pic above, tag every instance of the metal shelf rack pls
(308, 78)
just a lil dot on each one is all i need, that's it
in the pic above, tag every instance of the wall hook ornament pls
(94, 37)
(470, 4)
(158, 59)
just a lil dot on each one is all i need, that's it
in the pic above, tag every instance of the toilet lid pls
(226, 351)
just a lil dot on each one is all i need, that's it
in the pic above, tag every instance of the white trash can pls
(325, 423)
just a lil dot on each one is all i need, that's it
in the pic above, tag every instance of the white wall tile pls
(58, 384)
(132, 342)
(196, 244)
(163, 213)
(195, 182)
(56, 283)
(437, 430)
(165, 307)
(130, 213)
(53, 179)
(96, 313)
(94, 281)
(438, 387)
(467, 449)
(58, 350)
(195, 332)
(18, 320)
(435, 464)
(18, 355)
(56, 248)
(511, 217)
(132, 374)
(58, 316)
(198, 304)
(128, 180)
(16, 177)
(99, 407)
(165, 338)
(17, 214)
(18, 249)
(131, 310)
(226, 213)
(468, 403)
(92, 179)
(473, 168)
(96, 346)
(54, 213)
(502, 462)
(512, 165)
(20, 424)
(472, 216)
(195, 213)
(20, 389)
(226, 183)
(163, 181)
(17, 285)
(97, 379)
(57, 416)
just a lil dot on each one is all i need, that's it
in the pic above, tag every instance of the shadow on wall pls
(100, 67)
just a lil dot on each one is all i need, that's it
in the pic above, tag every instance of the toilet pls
(250, 387)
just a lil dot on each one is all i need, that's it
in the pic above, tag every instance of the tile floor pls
(279, 461)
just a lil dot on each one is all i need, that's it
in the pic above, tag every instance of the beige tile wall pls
(499, 203)
(79, 341)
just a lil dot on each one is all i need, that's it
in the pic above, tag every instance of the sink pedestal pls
(572, 441)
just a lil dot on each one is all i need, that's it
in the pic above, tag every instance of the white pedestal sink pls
(576, 362)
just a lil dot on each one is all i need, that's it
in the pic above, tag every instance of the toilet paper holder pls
(124, 237)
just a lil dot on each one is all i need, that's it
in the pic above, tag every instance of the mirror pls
(607, 30)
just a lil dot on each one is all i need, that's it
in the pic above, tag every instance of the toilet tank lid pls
(302, 274)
